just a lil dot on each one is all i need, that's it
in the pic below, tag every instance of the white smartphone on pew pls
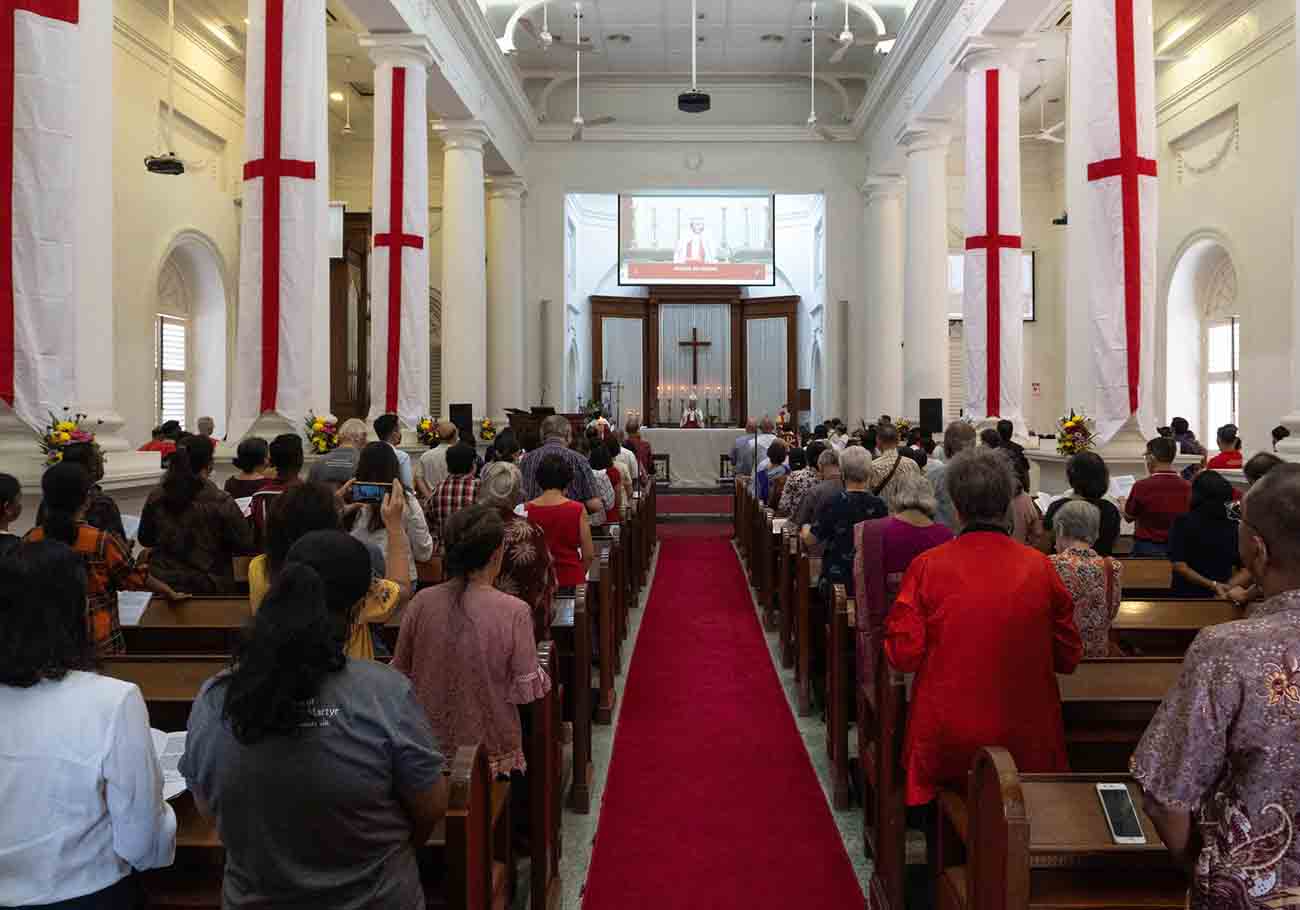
(1121, 814)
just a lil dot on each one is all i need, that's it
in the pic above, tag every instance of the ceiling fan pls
(546, 40)
(1045, 133)
(578, 123)
(347, 97)
(847, 41)
(813, 125)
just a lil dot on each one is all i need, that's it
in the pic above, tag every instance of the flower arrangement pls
(904, 426)
(322, 433)
(62, 432)
(427, 431)
(487, 430)
(1075, 433)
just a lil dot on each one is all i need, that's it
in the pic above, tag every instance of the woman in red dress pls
(1229, 457)
(564, 521)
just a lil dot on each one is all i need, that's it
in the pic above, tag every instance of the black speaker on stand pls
(931, 415)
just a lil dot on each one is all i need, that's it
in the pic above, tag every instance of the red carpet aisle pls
(712, 801)
(694, 504)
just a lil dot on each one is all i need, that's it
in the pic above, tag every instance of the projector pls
(164, 164)
(693, 102)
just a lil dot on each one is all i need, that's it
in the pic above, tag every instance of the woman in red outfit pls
(564, 521)
(985, 645)
(1229, 457)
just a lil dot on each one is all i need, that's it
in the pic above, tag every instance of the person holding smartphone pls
(1217, 764)
(377, 475)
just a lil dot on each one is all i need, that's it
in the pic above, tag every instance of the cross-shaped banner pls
(1114, 80)
(284, 211)
(39, 77)
(400, 218)
(992, 297)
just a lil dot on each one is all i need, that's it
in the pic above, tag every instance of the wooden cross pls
(695, 344)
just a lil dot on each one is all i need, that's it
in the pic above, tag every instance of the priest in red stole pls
(692, 417)
(985, 624)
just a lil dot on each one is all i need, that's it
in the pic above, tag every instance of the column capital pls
(506, 187)
(923, 134)
(992, 50)
(883, 186)
(470, 135)
(398, 50)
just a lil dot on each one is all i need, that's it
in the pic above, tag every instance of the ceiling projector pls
(693, 102)
(164, 164)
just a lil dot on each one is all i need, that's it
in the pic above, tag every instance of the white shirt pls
(433, 465)
(80, 790)
(627, 465)
(692, 414)
(416, 526)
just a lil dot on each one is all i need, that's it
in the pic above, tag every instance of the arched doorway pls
(1203, 340)
(191, 332)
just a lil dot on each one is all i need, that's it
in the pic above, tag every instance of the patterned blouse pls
(1095, 604)
(797, 486)
(527, 571)
(1223, 746)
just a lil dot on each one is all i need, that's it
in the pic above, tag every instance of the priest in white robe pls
(692, 417)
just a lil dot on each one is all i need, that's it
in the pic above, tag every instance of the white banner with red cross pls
(40, 73)
(283, 208)
(399, 265)
(1113, 80)
(993, 294)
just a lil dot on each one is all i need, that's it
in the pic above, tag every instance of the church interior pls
(681, 367)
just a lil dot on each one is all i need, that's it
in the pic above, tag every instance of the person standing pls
(252, 460)
(692, 417)
(1229, 457)
(644, 454)
(985, 645)
(957, 438)
(1157, 500)
(743, 450)
(101, 510)
(431, 469)
(1095, 582)
(1188, 444)
(888, 469)
(835, 520)
(1217, 762)
(458, 490)
(557, 433)
(388, 429)
(337, 467)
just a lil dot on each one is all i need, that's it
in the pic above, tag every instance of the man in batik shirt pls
(1219, 764)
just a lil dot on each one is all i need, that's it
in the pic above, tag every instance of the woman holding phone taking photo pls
(376, 475)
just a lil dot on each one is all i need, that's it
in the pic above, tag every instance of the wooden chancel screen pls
(737, 352)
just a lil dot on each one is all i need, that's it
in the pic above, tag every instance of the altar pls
(695, 456)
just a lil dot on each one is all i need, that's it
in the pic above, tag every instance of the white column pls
(464, 276)
(925, 314)
(505, 295)
(1289, 448)
(881, 389)
(399, 270)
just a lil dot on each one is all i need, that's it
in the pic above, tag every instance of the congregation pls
(906, 526)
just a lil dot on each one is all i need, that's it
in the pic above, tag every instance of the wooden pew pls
(457, 863)
(600, 598)
(571, 632)
(841, 672)
(807, 612)
(786, 591)
(169, 683)
(1168, 627)
(1144, 574)
(1027, 841)
(200, 625)
(769, 554)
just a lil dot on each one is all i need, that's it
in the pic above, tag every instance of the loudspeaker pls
(462, 415)
(931, 415)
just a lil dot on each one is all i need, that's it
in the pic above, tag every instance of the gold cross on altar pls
(695, 344)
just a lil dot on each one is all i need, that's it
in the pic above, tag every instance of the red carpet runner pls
(694, 504)
(712, 801)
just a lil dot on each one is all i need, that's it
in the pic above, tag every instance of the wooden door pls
(350, 321)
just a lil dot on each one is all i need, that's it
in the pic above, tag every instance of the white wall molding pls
(1278, 37)
(563, 132)
(143, 48)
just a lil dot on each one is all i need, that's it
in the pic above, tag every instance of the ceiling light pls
(884, 47)
(772, 38)
(246, 21)
(336, 97)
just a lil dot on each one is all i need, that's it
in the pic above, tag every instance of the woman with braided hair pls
(468, 648)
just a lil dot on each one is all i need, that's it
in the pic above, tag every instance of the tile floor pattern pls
(580, 830)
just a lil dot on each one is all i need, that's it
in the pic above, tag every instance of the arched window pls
(1204, 339)
(171, 345)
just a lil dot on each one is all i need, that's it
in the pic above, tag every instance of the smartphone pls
(370, 492)
(1121, 814)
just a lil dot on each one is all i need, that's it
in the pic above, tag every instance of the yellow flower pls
(65, 438)
(56, 456)
(66, 426)
(318, 425)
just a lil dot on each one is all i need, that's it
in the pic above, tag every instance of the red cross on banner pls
(272, 168)
(394, 239)
(1128, 167)
(64, 11)
(994, 242)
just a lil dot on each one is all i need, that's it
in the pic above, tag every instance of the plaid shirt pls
(449, 497)
(583, 485)
(109, 569)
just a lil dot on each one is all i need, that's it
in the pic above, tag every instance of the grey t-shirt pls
(338, 467)
(313, 820)
(812, 503)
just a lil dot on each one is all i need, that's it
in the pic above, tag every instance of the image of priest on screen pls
(696, 246)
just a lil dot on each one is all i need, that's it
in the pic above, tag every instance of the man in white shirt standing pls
(431, 469)
(626, 463)
(388, 430)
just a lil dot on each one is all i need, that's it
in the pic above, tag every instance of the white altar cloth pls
(695, 455)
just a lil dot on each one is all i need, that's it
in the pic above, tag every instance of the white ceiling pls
(732, 33)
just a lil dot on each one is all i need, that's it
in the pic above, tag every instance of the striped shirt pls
(580, 489)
